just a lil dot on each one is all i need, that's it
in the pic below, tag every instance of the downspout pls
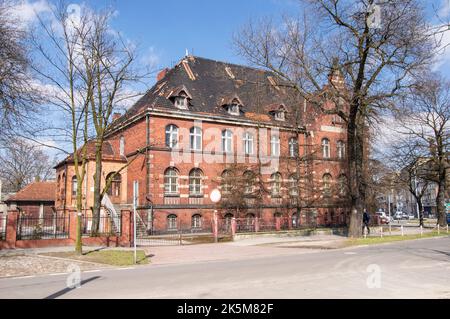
(147, 164)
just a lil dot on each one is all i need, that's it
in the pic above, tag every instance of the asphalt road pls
(410, 269)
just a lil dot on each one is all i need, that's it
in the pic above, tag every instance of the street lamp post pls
(215, 197)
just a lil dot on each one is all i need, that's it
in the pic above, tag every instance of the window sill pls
(171, 195)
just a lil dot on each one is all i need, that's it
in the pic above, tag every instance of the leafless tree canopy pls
(379, 53)
(23, 162)
(16, 95)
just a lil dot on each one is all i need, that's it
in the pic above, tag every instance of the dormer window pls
(233, 109)
(280, 116)
(180, 98)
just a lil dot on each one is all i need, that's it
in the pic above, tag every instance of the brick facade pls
(144, 126)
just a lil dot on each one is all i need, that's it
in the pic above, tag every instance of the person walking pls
(366, 221)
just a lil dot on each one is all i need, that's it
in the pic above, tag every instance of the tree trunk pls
(440, 200)
(97, 189)
(78, 242)
(420, 207)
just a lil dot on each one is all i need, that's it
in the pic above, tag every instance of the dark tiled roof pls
(35, 192)
(215, 83)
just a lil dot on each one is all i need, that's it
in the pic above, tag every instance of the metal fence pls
(2, 228)
(52, 227)
(107, 226)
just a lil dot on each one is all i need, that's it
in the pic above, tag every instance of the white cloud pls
(150, 58)
(27, 11)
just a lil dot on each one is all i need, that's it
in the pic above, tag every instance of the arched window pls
(249, 182)
(250, 219)
(276, 184)
(172, 222)
(248, 143)
(195, 181)
(114, 189)
(293, 185)
(195, 135)
(181, 101)
(275, 145)
(227, 141)
(293, 147)
(122, 146)
(343, 185)
(228, 218)
(326, 148)
(171, 136)
(341, 149)
(171, 181)
(226, 182)
(295, 220)
(74, 185)
(326, 179)
(196, 221)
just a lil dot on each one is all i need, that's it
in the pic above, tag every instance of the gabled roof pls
(211, 82)
(35, 192)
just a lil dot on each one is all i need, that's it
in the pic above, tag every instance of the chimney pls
(115, 116)
(161, 74)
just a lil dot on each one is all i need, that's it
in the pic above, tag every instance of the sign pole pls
(135, 201)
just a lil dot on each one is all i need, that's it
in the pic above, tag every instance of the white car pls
(383, 218)
(398, 215)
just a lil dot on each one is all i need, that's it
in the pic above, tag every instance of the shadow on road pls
(66, 290)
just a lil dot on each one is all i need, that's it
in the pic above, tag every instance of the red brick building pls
(34, 200)
(207, 124)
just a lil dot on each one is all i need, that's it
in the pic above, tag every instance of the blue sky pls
(165, 29)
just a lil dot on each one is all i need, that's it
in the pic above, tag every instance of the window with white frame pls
(181, 102)
(341, 149)
(196, 138)
(293, 147)
(171, 136)
(280, 116)
(233, 109)
(171, 181)
(326, 148)
(293, 185)
(248, 143)
(249, 183)
(275, 145)
(172, 222)
(276, 184)
(195, 182)
(227, 141)
(196, 221)
(226, 182)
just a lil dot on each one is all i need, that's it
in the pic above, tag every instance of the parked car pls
(405, 216)
(448, 218)
(398, 215)
(411, 216)
(383, 218)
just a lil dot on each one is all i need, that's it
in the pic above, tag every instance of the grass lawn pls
(107, 256)
(387, 239)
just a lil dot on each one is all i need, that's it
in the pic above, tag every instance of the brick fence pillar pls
(277, 223)
(215, 227)
(127, 228)
(11, 228)
(289, 221)
(73, 219)
(233, 227)
(256, 224)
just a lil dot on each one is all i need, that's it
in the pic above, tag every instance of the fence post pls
(402, 229)
(73, 218)
(256, 224)
(233, 227)
(390, 229)
(127, 227)
(381, 231)
(277, 223)
(439, 230)
(421, 230)
(11, 228)
(447, 228)
(215, 227)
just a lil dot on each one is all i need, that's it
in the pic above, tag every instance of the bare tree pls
(17, 96)
(23, 162)
(376, 56)
(424, 121)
